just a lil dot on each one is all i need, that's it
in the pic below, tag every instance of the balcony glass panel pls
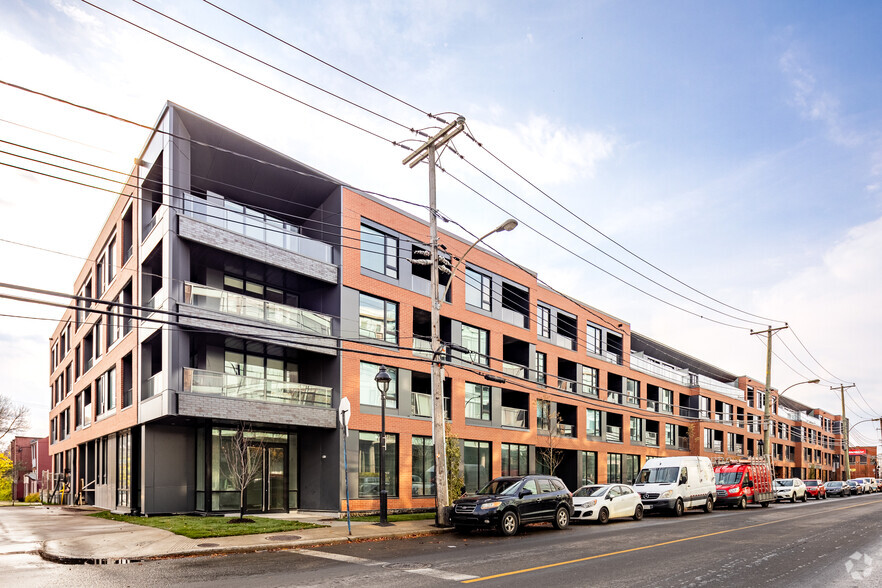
(566, 385)
(422, 347)
(243, 387)
(231, 303)
(514, 417)
(652, 439)
(613, 433)
(514, 369)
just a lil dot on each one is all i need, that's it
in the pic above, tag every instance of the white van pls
(677, 483)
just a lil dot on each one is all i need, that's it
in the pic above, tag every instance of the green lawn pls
(394, 518)
(200, 527)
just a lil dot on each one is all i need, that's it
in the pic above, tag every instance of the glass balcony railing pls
(247, 388)
(231, 303)
(613, 433)
(652, 439)
(150, 386)
(565, 430)
(656, 406)
(422, 347)
(421, 405)
(563, 341)
(683, 443)
(514, 369)
(514, 417)
(566, 385)
(216, 210)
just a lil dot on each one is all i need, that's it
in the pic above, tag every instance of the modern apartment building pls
(233, 286)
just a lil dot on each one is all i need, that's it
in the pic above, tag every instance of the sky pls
(736, 147)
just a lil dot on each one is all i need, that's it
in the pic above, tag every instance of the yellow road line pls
(572, 561)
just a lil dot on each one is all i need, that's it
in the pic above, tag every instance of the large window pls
(477, 401)
(614, 468)
(589, 467)
(543, 414)
(259, 366)
(123, 468)
(369, 464)
(105, 392)
(377, 319)
(632, 391)
(541, 363)
(422, 466)
(479, 290)
(477, 341)
(590, 378)
(670, 435)
(514, 459)
(594, 339)
(369, 393)
(632, 468)
(379, 252)
(638, 429)
(594, 422)
(476, 461)
(543, 321)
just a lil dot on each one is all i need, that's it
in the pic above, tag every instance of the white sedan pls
(602, 502)
(791, 489)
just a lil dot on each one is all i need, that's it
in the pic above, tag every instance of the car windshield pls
(727, 478)
(811, 482)
(658, 476)
(833, 484)
(504, 486)
(783, 482)
(589, 491)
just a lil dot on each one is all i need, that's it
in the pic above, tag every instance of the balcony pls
(563, 341)
(566, 385)
(683, 443)
(514, 369)
(150, 386)
(421, 405)
(613, 433)
(514, 417)
(565, 430)
(656, 406)
(648, 365)
(245, 388)
(515, 318)
(652, 439)
(611, 357)
(422, 347)
(298, 319)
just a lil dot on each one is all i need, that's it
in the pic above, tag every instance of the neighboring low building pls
(30, 457)
(232, 285)
(864, 462)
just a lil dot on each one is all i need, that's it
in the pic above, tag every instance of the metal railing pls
(247, 388)
(263, 310)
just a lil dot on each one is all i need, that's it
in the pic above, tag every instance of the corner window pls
(379, 252)
(478, 289)
(377, 319)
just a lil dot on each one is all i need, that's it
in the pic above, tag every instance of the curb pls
(207, 551)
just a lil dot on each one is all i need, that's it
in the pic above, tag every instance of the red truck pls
(744, 482)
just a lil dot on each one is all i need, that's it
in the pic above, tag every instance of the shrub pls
(34, 497)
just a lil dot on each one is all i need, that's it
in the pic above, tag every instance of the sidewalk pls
(134, 542)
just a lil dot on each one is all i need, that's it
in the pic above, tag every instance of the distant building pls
(234, 285)
(30, 458)
(864, 462)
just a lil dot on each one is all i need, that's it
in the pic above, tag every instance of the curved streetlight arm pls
(508, 225)
(815, 381)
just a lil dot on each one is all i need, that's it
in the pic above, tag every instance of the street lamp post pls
(442, 516)
(383, 379)
(767, 415)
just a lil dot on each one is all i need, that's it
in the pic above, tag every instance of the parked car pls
(509, 502)
(856, 487)
(815, 489)
(873, 485)
(791, 489)
(837, 488)
(677, 483)
(602, 502)
(740, 483)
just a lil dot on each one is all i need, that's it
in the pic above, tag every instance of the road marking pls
(572, 561)
(435, 573)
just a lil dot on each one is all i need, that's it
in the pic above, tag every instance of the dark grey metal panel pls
(224, 407)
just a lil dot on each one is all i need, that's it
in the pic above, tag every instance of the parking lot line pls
(682, 540)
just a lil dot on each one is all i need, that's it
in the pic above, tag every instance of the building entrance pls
(268, 491)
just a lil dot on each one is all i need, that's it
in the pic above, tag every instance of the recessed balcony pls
(247, 388)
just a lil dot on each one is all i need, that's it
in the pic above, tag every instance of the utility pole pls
(846, 467)
(767, 412)
(442, 516)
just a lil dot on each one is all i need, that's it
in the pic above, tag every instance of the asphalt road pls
(833, 542)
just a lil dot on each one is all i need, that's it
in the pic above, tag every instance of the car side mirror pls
(749, 484)
(682, 481)
(525, 492)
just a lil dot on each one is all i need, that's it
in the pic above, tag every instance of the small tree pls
(5, 477)
(245, 460)
(550, 455)
(455, 481)
(13, 418)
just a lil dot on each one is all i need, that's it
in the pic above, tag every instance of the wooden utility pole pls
(846, 466)
(767, 412)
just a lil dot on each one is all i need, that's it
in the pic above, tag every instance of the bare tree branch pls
(13, 418)
(244, 457)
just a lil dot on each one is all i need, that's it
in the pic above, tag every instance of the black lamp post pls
(383, 379)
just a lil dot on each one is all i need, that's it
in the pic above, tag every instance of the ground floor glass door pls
(267, 492)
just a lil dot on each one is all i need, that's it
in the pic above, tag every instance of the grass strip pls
(196, 527)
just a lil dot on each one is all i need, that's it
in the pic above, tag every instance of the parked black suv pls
(509, 502)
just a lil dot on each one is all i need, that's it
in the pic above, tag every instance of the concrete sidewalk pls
(98, 544)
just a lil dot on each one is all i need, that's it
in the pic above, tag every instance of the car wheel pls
(818, 496)
(603, 516)
(742, 504)
(561, 518)
(508, 524)
(765, 504)
(678, 508)
(793, 497)
(709, 504)
(638, 512)
(804, 497)
(463, 530)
